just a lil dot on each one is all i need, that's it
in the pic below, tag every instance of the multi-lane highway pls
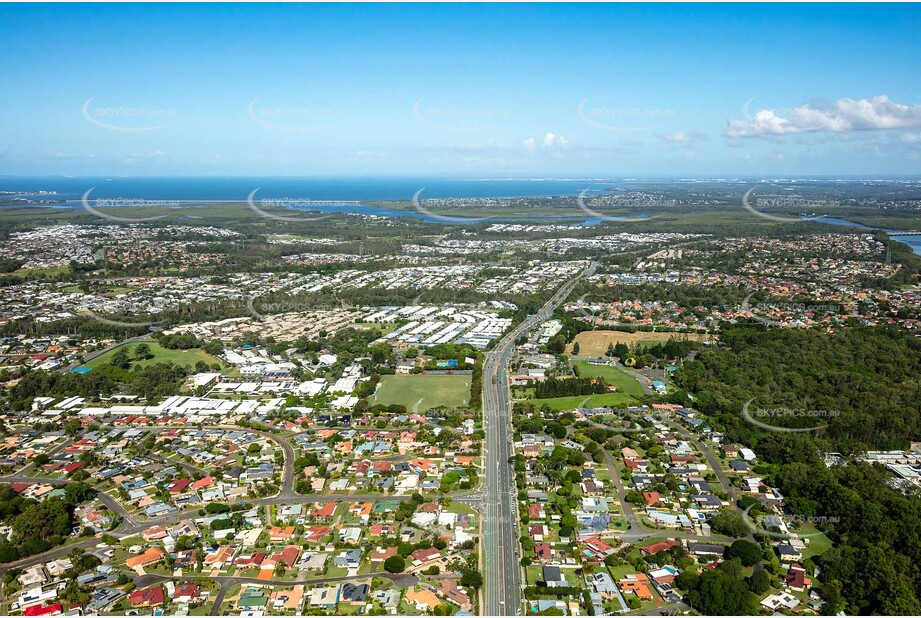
(503, 590)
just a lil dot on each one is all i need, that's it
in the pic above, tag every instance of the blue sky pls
(482, 90)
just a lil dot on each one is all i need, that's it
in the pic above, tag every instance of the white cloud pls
(134, 157)
(685, 138)
(878, 113)
(555, 141)
(678, 138)
(64, 156)
(549, 141)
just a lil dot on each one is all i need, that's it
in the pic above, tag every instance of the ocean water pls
(349, 189)
(307, 192)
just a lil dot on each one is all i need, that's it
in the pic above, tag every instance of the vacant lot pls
(625, 384)
(420, 392)
(160, 355)
(587, 401)
(596, 342)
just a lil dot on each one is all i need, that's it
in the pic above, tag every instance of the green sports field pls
(625, 383)
(588, 401)
(160, 355)
(419, 392)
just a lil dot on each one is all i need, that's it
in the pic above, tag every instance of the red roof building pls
(148, 597)
(178, 486)
(248, 561)
(44, 610)
(651, 497)
(326, 511)
(425, 555)
(655, 548)
(187, 593)
(207, 481)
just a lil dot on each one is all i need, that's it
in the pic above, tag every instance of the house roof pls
(148, 557)
(422, 597)
(147, 596)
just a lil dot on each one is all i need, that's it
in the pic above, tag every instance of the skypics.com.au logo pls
(618, 118)
(810, 309)
(294, 204)
(126, 119)
(87, 312)
(93, 206)
(758, 205)
(598, 309)
(776, 527)
(462, 119)
(277, 307)
(592, 201)
(292, 119)
(423, 207)
(752, 417)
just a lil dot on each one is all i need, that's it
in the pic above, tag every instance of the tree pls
(717, 593)
(575, 349)
(120, 359)
(43, 520)
(729, 521)
(72, 427)
(830, 591)
(471, 578)
(394, 564)
(746, 551)
(759, 582)
(635, 497)
(142, 351)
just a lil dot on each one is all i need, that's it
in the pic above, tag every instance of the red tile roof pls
(147, 596)
(43, 610)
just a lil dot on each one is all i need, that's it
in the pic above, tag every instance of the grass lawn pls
(592, 401)
(51, 271)
(160, 355)
(818, 542)
(419, 392)
(406, 609)
(620, 572)
(534, 574)
(595, 342)
(602, 473)
(461, 509)
(334, 571)
(625, 384)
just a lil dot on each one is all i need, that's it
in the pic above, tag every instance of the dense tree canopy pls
(867, 377)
